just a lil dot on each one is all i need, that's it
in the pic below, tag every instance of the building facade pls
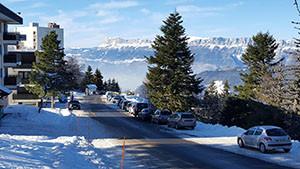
(7, 17)
(34, 35)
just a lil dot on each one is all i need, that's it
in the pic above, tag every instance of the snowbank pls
(44, 140)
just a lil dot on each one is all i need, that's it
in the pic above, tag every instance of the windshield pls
(142, 105)
(166, 113)
(276, 132)
(187, 116)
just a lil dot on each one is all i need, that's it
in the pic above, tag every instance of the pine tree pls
(50, 72)
(226, 89)
(98, 79)
(88, 78)
(74, 68)
(105, 86)
(259, 59)
(172, 84)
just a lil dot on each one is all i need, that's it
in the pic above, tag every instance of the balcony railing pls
(12, 58)
(24, 96)
(24, 81)
(10, 80)
(13, 36)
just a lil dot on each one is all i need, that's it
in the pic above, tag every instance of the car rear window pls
(165, 113)
(276, 132)
(187, 116)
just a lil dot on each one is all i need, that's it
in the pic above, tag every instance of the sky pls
(87, 22)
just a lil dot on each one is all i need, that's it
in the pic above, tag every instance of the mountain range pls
(124, 59)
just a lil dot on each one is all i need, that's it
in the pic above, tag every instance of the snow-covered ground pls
(49, 140)
(43, 140)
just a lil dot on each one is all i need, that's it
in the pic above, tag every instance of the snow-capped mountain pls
(124, 59)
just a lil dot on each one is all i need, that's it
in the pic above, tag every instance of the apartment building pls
(7, 17)
(19, 71)
(35, 34)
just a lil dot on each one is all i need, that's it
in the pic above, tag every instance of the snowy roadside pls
(44, 140)
(223, 137)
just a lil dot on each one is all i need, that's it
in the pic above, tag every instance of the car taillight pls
(268, 139)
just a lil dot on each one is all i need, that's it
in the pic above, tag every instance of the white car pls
(265, 138)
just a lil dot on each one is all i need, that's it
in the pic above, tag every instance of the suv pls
(74, 105)
(161, 116)
(179, 120)
(137, 107)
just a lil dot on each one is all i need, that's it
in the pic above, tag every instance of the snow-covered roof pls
(91, 86)
(4, 91)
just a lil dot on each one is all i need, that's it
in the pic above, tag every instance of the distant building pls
(19, 69)
(7, 38)
(34, 35)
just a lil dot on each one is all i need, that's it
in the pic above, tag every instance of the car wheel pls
(262, 148)
(287, 150)
(176, 126)
(241, 143)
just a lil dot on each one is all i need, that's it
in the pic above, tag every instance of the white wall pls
(41, 32)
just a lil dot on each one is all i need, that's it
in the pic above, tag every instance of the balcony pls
(12, 38)
(12, 60)
(25, 97)
(10, 82)
(23, 59)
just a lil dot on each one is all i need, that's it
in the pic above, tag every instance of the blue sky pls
(87, 22)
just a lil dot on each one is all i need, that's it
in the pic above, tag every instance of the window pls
(276, 132)
(251, 131)
(258, 132)
(34, 32)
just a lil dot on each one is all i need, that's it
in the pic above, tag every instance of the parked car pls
(128, 106)
(161, 116)
(265, 138)
(63, 98)
(145, 114)
(184, 119)
(124, 104)
(74, 105)
(137, 107)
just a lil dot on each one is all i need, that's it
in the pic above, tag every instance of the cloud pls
(193, 8)
(145, 11)
(36, 5)
(114, 5)
(110, 20)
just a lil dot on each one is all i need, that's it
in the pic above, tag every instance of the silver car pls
(160, 116)
(265, 138)
(179, 120)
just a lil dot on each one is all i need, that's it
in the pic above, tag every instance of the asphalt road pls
(165, 150)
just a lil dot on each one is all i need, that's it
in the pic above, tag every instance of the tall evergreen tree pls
(50, 74)
(259, 59)
(98, 79)
(226, 89)
(172, 84)
(74, 68)
(88, 78)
